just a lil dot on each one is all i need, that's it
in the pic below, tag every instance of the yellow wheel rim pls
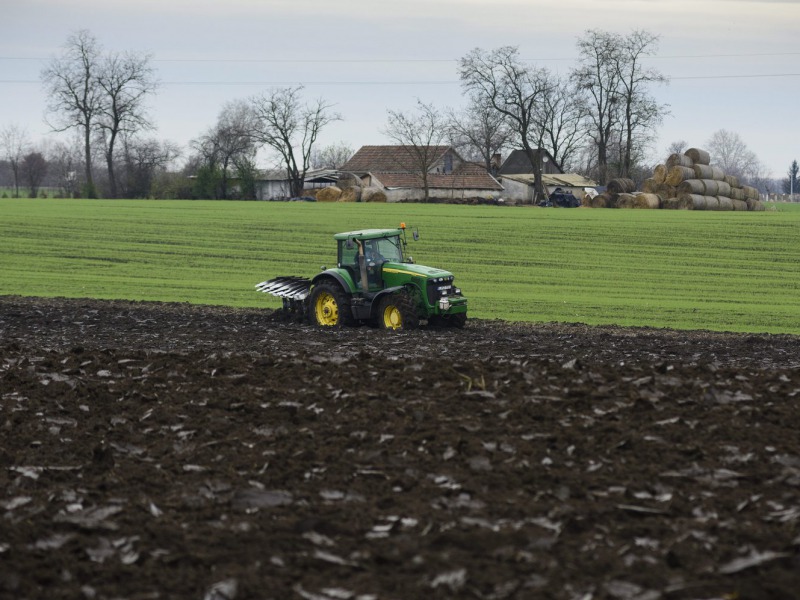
(392, 318)
(326, 309)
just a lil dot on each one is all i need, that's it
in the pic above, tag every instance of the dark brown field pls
(175, 451)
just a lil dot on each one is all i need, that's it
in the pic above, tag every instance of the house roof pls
(467, 176)
(519, 163)
(387, 159)
(554, 180)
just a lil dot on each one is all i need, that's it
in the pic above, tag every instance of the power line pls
(408, 60)
(429, 82)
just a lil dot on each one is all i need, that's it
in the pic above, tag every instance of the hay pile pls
(373, 194)
(329, 194)
(685, 181)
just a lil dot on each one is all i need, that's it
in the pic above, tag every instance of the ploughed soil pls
(174, 451)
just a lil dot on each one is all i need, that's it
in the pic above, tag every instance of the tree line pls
(599, 120)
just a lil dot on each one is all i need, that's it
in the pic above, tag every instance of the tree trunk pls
(87, 147)
(112, 180)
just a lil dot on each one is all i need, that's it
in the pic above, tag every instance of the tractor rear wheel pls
(329, 306)
(398, 311)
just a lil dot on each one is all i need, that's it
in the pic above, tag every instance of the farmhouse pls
(400, 173)
(516, 176)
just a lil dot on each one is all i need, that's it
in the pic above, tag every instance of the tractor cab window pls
(382, 250)
(348, 256)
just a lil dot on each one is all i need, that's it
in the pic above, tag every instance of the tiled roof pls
(387, 159)
(468, 176)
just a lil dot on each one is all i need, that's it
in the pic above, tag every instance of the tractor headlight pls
(444, 303)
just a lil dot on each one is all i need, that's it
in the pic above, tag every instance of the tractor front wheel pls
(329, 306)
(397, 311)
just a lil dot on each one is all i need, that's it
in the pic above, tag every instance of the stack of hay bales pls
(622, 193)
(688, 181)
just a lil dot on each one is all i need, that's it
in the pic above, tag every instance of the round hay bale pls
(672, 203)
(692, 201)
(621, 186)
(725, 203)
(331, 193)
(660, 173)
(717, 173)
(651, 185)
(732, 180)
(712, 203)
(740, 205)
(666, 191)
(677, 174)
(679, 160)
(710, 187)
(373, 194)
(723, 189)
(348, 180)
(351, 194)
(626, 200)
(703, 172)
(647, 201)
(737, 193)
(698, 156)
(603, 200)
(750, 193)
(691, 186)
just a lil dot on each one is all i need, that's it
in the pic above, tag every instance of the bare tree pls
(514, 90)
(562, 115)
(290, 129)
(729, 152)
(479, 130)
(641, 110)
(65, 163)
(144, 159)
(125, 80)
(622, 112)
(598, 77)
(34, 168)
(74, 97)
(331, 157)
(421, 135)
(230, 143)
(14, 143)
(677, 147)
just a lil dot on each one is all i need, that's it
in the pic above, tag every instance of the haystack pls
(372, 194)
(677, 174)
(647, 201)
(660, 173)
(351, 194)
(698, 156)
(621, 186)
(329, 194)
(679, 160)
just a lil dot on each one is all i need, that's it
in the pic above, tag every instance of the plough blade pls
(293, 288)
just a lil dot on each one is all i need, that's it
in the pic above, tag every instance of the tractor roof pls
(368, 234)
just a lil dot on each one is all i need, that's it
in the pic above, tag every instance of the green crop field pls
(691, 270)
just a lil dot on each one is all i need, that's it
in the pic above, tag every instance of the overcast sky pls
(733, 64)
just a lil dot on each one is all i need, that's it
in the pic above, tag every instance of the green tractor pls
(373, 282)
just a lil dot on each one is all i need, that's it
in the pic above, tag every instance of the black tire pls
(329, 306)
(397, 311)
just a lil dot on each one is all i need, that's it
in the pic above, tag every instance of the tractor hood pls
(413, 270)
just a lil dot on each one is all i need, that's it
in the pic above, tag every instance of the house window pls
(448, 163)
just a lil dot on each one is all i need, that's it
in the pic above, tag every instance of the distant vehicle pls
(561, 199)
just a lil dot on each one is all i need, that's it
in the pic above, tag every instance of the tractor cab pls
(362, 254)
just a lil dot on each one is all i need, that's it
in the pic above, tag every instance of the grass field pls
(690, 270)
